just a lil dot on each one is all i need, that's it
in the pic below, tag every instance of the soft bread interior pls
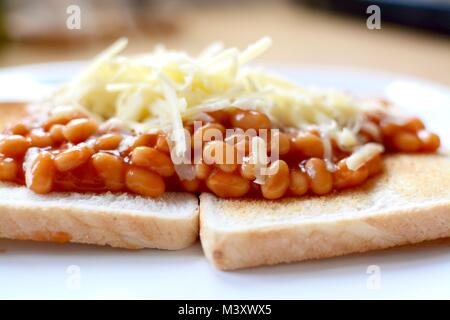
(119, 220)
(409, 203)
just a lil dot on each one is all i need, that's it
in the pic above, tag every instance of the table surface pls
(301, 35)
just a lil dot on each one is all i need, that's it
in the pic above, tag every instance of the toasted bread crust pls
(409, 203)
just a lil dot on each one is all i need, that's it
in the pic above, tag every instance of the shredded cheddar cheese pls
(163, 88)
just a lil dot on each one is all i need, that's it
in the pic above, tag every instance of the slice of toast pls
(408, 203)
(118, 220)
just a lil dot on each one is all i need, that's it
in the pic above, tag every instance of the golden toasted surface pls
(408, 180)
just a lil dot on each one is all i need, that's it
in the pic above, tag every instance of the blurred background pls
(414, 37)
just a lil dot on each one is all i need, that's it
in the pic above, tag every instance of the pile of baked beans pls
(74, 153)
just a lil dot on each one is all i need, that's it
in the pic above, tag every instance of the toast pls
(118, 220)
(408, 203)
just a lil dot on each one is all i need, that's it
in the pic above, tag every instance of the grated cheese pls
(258, 158)
(363, 154)
(163, 88)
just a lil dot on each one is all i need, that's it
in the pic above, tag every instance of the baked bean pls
(413, 125)
(298, 182)
(14, 146)
(343, 177)
(276, 184)
(250, 119)
(374, 165)
(73, 157)
(221, 154)
(153, 159)
(8, 169)
(406, 141)
(284, 143)
(227, 185)
(40, 139)
(227, 167)
(207, 133)
(110, 168)
(40, 174)
(56, 133)
(314, 131)
(241, 142)
(162, 144)
(79, 130)
(108, 141)
(430, 141)
(189, 127)
(247, 170)
(62, 118)
(144, 182)
(19, 128)
(146, 140)
(309, 144)
(321, 180)
(389, 128)
(219, 116)
(202, 170)
(190, 185)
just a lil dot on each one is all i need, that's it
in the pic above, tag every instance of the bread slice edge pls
(285, 243)
(106, 219)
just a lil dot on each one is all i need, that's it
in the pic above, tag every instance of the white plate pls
(40, 270)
